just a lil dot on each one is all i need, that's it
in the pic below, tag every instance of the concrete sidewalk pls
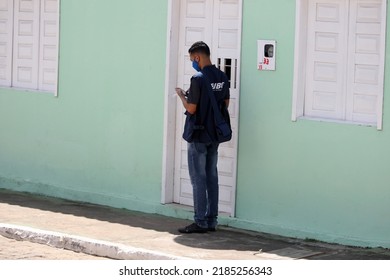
(122, 234)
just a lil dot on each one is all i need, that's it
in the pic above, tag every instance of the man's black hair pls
(200, 47)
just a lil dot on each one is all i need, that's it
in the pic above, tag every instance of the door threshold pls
(186, 208)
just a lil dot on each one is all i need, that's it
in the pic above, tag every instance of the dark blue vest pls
(200, 127)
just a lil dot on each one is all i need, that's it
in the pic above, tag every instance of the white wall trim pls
(170, 105)
(236, 135)
(299, 55)
(382, 70)
(58, 48)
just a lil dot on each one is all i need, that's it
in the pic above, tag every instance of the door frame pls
(171, 73)
(170, 102)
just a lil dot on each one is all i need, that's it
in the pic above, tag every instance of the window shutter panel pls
(6, 23)
(366, 62)
(48, 58)
(326, 47)
(26, 44)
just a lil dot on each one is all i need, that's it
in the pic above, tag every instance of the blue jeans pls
(202, 164)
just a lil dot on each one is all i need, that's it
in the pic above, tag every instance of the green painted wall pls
(312, 179)
(101, 140)
(103, 134)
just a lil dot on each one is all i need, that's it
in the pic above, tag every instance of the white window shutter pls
(48, 58)
(326, 48)
(365, 62)
(6, 23)
(345, 60)
(26, 44)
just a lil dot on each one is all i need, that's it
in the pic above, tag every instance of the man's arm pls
(190, 108)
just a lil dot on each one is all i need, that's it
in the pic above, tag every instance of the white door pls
(218, 23)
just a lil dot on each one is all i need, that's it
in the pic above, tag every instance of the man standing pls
(200, 133)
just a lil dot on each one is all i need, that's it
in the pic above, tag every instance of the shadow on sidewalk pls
(220, 240)
(223, 240)
(91, 211)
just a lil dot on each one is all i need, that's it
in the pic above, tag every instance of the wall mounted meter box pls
(266, 54)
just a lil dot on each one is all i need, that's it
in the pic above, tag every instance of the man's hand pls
(180, 92)
(191, 108)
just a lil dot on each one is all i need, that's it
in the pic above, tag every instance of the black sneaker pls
(212, 229)
(193, 228)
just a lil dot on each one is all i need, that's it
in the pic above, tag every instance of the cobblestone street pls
(22, 250)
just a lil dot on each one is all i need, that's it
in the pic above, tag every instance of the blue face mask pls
(195, 65)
